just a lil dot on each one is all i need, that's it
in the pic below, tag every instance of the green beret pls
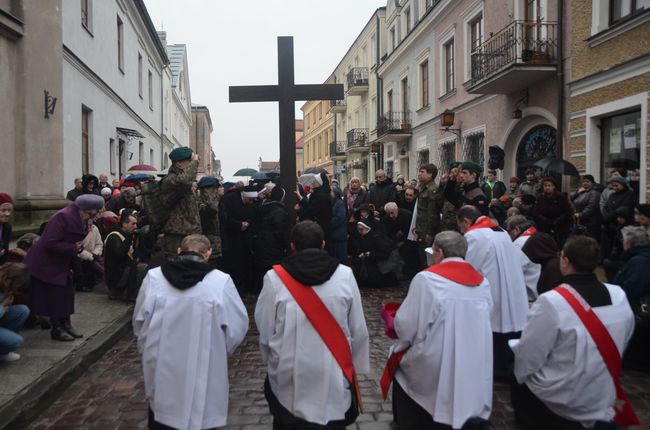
(181, 154)
(472, 166)
(208, 181)
(454, 164)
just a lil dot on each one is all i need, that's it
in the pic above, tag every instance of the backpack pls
(158, 208)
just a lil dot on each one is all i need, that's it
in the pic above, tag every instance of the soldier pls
(209, 212)
(177, 188)
(427, 213)
(448, 221)
(470, 192)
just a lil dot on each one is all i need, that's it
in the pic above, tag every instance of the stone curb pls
(38, 396)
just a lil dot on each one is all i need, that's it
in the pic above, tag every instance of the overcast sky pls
(235, 43)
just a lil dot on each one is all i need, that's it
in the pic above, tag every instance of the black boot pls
(67, 326)
(59, 333)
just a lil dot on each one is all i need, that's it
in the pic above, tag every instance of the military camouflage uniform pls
(209, 213)
(427, 221)
(184, 219)
(471, 195)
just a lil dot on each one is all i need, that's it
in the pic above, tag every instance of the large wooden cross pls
(286, 93)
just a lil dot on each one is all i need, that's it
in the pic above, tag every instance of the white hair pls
(390, 206)
(635, 236)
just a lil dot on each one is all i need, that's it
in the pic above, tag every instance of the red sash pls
(326, 326)
(457, 271)
(529, 232)
(482, 222)
(625, 414)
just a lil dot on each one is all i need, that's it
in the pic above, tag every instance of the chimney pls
(163, 37)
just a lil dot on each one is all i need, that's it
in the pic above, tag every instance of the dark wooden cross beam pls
(286, 93)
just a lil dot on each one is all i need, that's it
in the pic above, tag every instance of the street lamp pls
(447, 120)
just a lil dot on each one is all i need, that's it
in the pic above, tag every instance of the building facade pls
(609, 90)
(494, 68)
(318, 124)
(300, 147)
(200, 140)
(354, 148)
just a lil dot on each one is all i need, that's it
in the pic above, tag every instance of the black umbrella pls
(557, 166)
(315, 170)
(265, 176)
(245, 172)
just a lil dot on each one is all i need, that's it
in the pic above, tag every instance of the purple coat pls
(52, 256)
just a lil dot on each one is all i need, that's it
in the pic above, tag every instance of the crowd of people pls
(186, 251)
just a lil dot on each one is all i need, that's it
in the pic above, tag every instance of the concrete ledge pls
(18, 409)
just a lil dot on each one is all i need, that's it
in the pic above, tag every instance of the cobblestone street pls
(111, 394)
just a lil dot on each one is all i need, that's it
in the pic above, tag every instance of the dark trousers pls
(283, 419)
(152, 424)
(411, 416)
(532, 414)
(504, 358)
(410, 254)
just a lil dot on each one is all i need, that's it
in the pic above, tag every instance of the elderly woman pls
(354, 196)
(372, 250)
(6, 207)
(585, 202)
(553, 213)
(633, 278)
(52, 257)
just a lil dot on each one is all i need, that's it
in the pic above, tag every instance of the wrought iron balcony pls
(337, 150)
(394, 126)
(337, 106)
(521, 54)
(357, 139)
(358, 81)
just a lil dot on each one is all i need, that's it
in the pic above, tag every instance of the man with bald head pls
(382, 191)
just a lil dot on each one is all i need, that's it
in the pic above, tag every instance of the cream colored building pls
(200, 139)
(318, 124)
(609, 90)
(354, 147)
(300, 146)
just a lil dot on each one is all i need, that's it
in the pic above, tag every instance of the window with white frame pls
(111, 155)
(448, 64)
(474, 147)
(476, 32)
(85, 139)
(140, 75)
(151, 157)
(407, 18)
(120, 44)
(141, 153)
(392, 38)
(86, 14)
(423, 158)
(150, 90)
(622, 9)
(424, 84)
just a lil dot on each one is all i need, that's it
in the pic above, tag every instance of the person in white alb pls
(306, 387)
(563, 381)
(188, 319)
(445, 376)
(520, 230)
(491, 252)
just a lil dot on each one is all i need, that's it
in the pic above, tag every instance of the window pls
(407, 17)
(405, 95)
(392, 38)
(85, 139)
(151, 157)
(150, 90)
(621, 145)
(447, 154)
(86, 14)
(140, 75)
(389, 101)
(423, 158)
(474, 148)
(448, 61)
(621, 9)
(141, 153)
(165, 163)
(476, 33)
(111, 155)
(424, 84)
(120, 44)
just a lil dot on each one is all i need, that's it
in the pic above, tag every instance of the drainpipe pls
(380, 155)
(560, 76)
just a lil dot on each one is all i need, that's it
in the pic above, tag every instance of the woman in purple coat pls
(50, 261)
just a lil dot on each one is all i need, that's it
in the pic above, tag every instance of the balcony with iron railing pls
(357, 140)
(337, 106)
(519, 55)
(337, 150)
(394, 127)
(358, 81)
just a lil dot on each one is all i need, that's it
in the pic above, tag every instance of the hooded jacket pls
(542, 249)
(185, 271)
(85, 180)
(310, 266)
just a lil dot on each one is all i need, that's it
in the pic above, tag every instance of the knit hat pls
(644, 209)
(89, 202)
(551, 180)
(180, 154)
(6, 198)
(618, 179)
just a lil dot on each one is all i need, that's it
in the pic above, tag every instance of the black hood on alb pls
(310, 266)
(185, 271)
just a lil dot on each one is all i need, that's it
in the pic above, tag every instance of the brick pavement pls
(111, 394)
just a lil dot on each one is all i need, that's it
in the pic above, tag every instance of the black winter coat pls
(318, 208)
(620, 203)
(271, 240)
(382, 193)
(553, 213)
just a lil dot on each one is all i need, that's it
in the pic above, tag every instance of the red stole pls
(528, 232)
(625, 415)
(482, 222)
(326, 326)
(460, 272)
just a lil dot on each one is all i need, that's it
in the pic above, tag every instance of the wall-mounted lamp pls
(523, 101)
(50, 104)
(447, 120)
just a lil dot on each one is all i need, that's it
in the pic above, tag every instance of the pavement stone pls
(110, 395)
